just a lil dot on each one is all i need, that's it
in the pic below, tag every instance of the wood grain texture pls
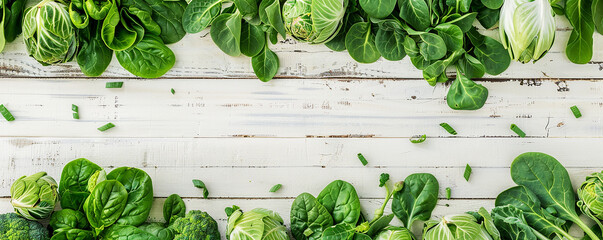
(198, 57)
(302, 108)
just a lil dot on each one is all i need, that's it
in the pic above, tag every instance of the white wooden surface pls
(304, 129)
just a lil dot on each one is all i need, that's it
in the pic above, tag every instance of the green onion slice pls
(576, 111)
(467, 173)
(517, 130)
(114, 84)
(448, 128)
(106, 127)
(7, 115)
(418, 139)
(362, 159)
(448, 193)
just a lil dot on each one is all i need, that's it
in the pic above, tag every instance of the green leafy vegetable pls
(149, 58)
(13, 226)
(275, 187)
(258, 224)
(465, 94)
(196, 225)
(200, 184)
(467, 173)
(34, 197)
(360, 42)
(105, 205)
(580, 44)
(139, 187)
(417, 199)
(73, 187)
(265, 64)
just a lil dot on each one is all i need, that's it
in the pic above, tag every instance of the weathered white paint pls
(198, 57)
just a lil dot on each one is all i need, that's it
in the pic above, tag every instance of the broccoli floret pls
(196, 225)
(14, 227)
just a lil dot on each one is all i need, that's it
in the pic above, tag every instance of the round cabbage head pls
(313, 21)
(591, 196)
(35, 196)
(527, 28)
(258, 223)
(48, 33)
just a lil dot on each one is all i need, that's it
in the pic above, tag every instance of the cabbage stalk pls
(591, 196)
(48, 33)
(35, 196)
(527, 28)
(314, 21)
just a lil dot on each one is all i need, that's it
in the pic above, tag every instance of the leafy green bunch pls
(435, 34)
(585, 16)
(10, 23)
(240, 27)
(543, 205)
(467, 226)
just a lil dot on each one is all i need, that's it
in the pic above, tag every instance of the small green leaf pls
(360, 42)
(200, 184)
(265, 65)
(433, 46)
(467, 173)
(275, 187)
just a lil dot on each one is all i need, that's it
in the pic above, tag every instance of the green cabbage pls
(527, 28)
(313, 21)
(394, 233)
(591, 196)
(256, 224)
(48, 33)
(35, 196)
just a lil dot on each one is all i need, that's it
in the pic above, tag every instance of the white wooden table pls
(303, 130)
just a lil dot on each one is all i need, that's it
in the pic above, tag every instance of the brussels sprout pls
(34, 197)
(314, 21)
(591, 196)
(527, 28)
(48, 33)
(394, 233)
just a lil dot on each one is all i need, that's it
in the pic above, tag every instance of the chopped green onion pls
(106, 127)
(200, 184)
(76, 115)
(517, 130)
(418, 139)
(7, 115)
(576, 111)
(467, 173)
(448, 128)
(447, 205)
(173, 91)
(448, 193)
(362, 159)
(75, 108)
(114, 84)
(276, 187)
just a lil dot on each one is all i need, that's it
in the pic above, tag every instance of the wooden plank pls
(294, 108)
(198, 57)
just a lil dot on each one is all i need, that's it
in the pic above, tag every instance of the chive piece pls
(276, 187)
(517, 130)
(362, 159)
(106, 127)
(448, 128)
(114, 84)
(173, 91)
(448, 193)
(75, 108)
(7, 115)
(447, 205)
(200, 184)
(418, 139)
(76, 115)
(467, 172)
(576, 111)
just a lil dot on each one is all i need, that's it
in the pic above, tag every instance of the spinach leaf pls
(580, 44)
(471, 67)
(105, 205)
(415, 13)
(247, 8)
(173, 207)
(199, 14)
(67, 219)
(158, 230)
(417, 199)
(340, 231)
(342, 202)
(432, 47)
(389, 44)
(360, 42)
(511, 223)
(489, 52)
(265, 64)
(378, 8)
(487, 17)
(492, 4)
(114, 33)
(550, 182)
(168, 15)
(79, 18)
(13, 15)
(465, 94)
(435, 71)
(525, 201)
(465, 22)
(270, 14)
(94, 56)
(74, 183)
(253, 39)
(96, 9)
(597, 15)
(452, 36)
(338, 42)
(139, 186)
(309, 218)
(73, 233)
(226, 33)
(126, 232)
(149, 58)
